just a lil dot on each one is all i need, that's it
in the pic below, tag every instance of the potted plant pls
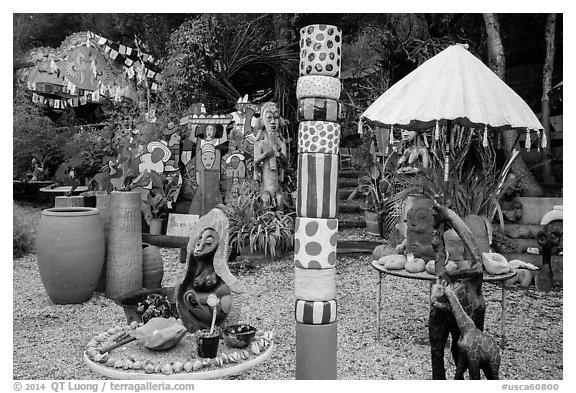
(163, 190)
(207, 340)
(257, 229)
(157, 202)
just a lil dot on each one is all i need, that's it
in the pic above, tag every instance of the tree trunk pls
(497, 63)
(546, 87)
(496, 59)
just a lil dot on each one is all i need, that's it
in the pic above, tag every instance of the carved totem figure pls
(419, 231)
(413, 156)
(269, 153)
(174, 145)
(207, 165)
(207, 273)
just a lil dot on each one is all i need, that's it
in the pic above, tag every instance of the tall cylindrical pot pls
(124, 247)
(70, 252)
(152, 266)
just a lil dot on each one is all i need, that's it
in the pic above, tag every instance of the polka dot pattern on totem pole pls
(320, 50)
(318, 86)
(315, 243)
(318, 137)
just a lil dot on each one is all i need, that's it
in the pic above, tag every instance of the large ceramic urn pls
(70, 251)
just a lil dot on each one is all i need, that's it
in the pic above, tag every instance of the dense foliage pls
(217, 58)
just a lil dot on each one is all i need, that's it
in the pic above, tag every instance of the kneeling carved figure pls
(207, 273)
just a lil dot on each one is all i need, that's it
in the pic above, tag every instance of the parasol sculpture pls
(453, 88)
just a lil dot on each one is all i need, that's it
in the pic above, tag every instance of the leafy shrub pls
(25, 225)
(257, 226)
(34, 134)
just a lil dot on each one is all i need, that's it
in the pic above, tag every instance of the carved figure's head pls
(419, 218)
(210, 132)
(208, 156)
(206, 243)
(437, 296)
(454, 245)
(408, 136)
(270, 116)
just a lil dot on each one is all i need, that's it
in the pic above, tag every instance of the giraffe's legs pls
(461, 366)
(490, 370)
(474, 369)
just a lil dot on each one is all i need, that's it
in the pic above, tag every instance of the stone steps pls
(350, 213)
(344, 193)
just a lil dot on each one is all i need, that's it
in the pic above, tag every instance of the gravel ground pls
(48, 339)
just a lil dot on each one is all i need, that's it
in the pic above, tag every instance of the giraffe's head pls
(437, 297)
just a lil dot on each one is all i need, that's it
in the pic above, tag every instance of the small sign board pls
(181, 224)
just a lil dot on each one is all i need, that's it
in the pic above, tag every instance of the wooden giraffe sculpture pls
(477, 350)
(467, 286)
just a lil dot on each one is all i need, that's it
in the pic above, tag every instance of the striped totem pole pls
(318, 91)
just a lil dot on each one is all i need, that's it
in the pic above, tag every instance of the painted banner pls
(320, 50)
(319, 109)
(317, 185)
(318, 86)
(315, 313)
(318, 137)
(315, 243)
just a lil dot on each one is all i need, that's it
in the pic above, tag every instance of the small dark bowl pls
(130, 301)
(239, 336)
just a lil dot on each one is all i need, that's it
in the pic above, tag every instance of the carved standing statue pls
(269, 153)
(413, 156)
(207, 273)
(207, 164)
(419, 231)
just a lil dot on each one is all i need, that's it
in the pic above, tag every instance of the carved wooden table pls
(488, 278)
